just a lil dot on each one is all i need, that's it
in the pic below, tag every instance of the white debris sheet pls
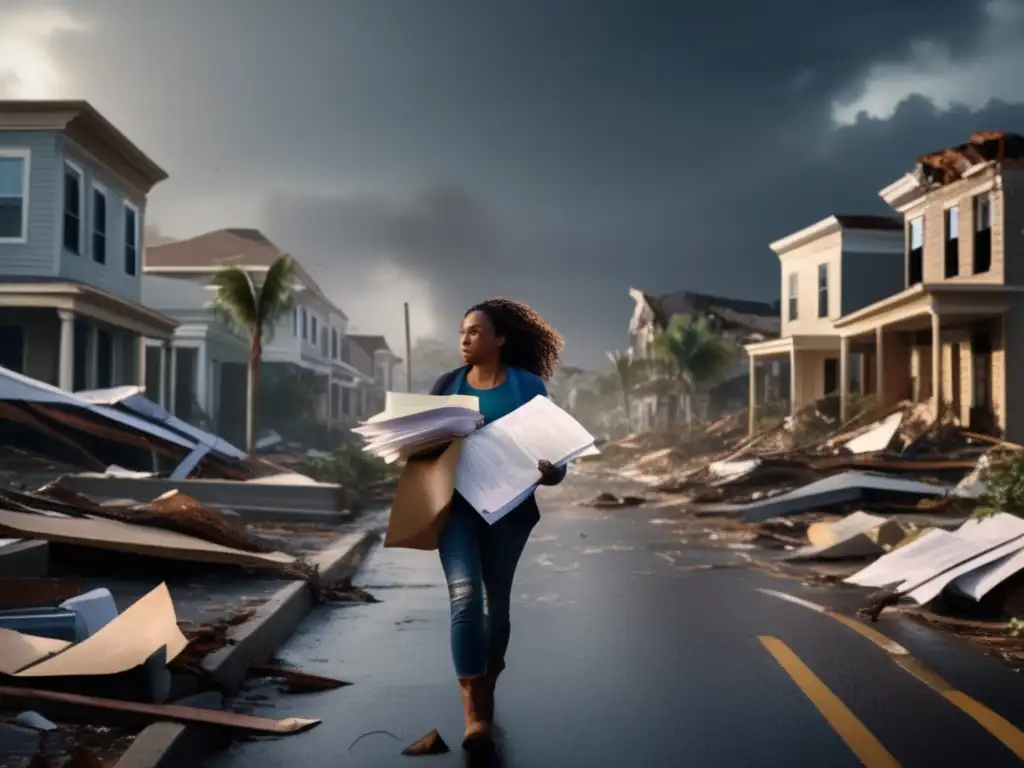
(879, 437)
(937, 558)
(843, 488)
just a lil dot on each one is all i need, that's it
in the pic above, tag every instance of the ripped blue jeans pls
(479, 562)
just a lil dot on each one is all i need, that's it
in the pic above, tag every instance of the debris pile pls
(894, 486)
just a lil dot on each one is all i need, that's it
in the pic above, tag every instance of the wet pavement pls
(628, 650)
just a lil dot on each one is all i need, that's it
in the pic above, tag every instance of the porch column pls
(164, 344)
(792, 381)
(752, 403)
(936, 365)
(203, 378)
(140, 360)
(117, 347)
(92, 351)
(66, 366)
(880, 365)
(172, 384)
(844, 378)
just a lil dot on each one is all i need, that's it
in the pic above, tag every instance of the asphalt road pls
(627, 650)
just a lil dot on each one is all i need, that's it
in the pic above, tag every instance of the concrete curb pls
(172, 745)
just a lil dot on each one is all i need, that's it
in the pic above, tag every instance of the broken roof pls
(950, 164)
(238, 247)
(750, 319)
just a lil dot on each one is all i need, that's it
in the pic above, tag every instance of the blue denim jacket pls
(526, 386)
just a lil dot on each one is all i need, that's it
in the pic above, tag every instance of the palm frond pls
(236, 298)
(276, 295)
(695, 348)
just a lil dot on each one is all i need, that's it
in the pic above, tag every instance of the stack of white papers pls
(411, 424)
(498, 466)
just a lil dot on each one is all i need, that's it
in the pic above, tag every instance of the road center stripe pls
(858, 738)
(997, 725)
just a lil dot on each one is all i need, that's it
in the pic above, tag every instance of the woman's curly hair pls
(530, 343)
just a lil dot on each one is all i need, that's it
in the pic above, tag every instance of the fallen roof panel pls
(838, 489)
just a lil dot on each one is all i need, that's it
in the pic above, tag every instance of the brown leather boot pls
(477, 700)
(494, 668)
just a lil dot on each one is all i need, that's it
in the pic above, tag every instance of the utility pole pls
(408, 352)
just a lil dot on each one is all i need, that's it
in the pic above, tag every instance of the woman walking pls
(508, 350)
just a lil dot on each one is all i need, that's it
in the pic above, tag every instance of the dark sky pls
(557, 151)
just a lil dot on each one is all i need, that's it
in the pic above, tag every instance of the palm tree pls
(697, 353)
(627, 374)
(255, 309)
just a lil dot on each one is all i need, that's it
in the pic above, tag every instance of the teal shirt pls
(495, 402)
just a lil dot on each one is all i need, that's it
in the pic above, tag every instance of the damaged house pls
(829, 269)
(742, 321)
(951, 331)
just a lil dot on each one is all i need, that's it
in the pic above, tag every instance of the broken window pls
(982, 234)
(953, 241)
(823, 290)
(915, 251)
(792, 296)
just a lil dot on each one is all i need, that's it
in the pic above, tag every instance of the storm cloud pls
(440, 152)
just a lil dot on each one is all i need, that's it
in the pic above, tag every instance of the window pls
(312, 329)
(131, 239)
(323, 342)
(305, 325)
(792, 296)
(915, 251)
(296, 319)
(823, 290)
(72, 209)
(982, 234)
(99, 226)
(334, 343)
(953, 241)
(13, 195)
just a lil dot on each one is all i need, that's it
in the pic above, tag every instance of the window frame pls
(910, 249)
(130, 207)
(823, 286)
(101, 191)
(977, 201)
(792, 298)
(25, 155)
(77, 171)
(951, 245)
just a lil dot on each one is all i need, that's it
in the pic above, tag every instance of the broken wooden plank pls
(94, 707)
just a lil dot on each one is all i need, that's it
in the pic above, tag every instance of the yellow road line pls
(997, 725)
(858, 738)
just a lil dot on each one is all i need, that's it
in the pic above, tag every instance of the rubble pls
(893, 487)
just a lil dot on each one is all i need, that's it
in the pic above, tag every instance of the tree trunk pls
(253, 392)
(629, 414)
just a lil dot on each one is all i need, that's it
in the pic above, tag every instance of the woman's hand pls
(549, 473)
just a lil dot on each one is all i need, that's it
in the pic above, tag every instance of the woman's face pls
(478, 340)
